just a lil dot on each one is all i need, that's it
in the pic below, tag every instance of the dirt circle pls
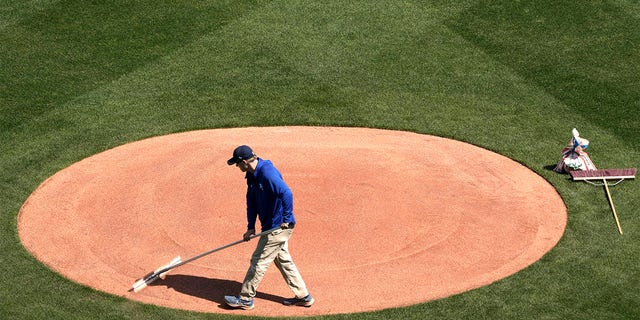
(385, 218)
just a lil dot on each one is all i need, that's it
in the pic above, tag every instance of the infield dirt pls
(385, 218)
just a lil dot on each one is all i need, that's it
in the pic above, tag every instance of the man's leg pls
(289, 271)
(266, 251)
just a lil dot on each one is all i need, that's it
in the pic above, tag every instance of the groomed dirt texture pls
(385, 218)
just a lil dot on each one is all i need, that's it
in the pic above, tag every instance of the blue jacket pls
(268, 197)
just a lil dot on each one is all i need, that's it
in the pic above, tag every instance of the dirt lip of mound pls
(390, 218)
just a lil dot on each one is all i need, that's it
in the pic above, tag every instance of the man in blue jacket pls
(270, 200)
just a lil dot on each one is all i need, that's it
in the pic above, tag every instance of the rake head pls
(610, 174)
(153, 276)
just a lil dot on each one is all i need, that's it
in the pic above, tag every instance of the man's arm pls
(247, 235)
(252, 214)
(282, 192)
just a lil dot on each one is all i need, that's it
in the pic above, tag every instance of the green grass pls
(80, 77)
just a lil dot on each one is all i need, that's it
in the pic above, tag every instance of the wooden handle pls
(615, 215)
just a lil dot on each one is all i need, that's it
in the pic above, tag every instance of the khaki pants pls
(273, 248)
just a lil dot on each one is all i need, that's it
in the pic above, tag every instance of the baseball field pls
(78, 78)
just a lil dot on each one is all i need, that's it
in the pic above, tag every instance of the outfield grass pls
(80, 77)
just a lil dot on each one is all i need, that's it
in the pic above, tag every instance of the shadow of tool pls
(207, 288)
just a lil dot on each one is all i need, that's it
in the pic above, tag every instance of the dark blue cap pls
(241, 153)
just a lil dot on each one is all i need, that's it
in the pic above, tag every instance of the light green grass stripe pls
(12, 11)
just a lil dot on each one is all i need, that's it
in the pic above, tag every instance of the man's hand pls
(284, 225)
(247, 235)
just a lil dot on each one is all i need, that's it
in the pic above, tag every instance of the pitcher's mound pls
(385, 218)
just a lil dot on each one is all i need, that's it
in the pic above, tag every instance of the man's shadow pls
(206, 288)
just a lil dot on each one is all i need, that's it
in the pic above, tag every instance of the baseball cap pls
(241, 153)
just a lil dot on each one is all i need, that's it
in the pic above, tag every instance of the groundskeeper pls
(270, 200)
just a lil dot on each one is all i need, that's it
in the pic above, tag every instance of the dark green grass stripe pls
(584, 53)
(80, 45)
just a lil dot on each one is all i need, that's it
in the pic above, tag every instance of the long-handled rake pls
(604, 175)
(162, 271)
